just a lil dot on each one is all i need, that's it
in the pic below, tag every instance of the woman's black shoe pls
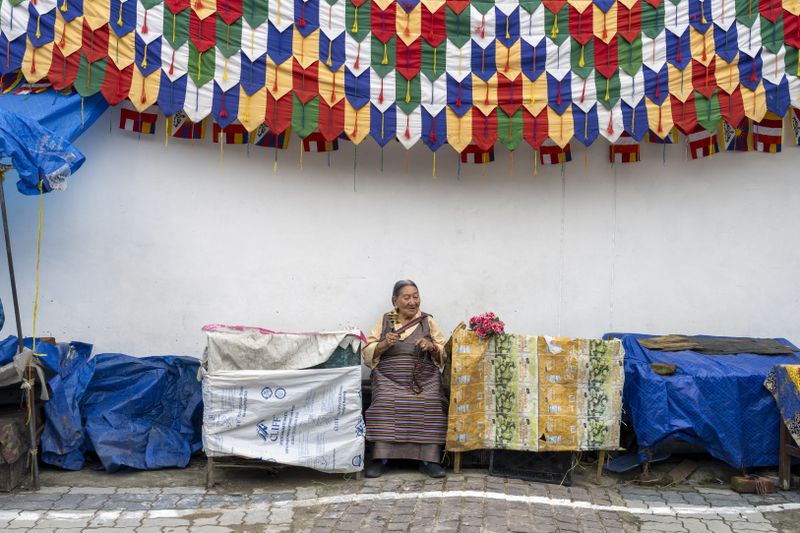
(376, 469)
(432, 469)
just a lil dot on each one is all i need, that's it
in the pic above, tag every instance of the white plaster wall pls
(150, 242)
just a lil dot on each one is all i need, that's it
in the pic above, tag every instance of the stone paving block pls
(149, 529)
(229, 518)
(139, 490)
(93, 501)
(717, 526)
(164, 522)
(209, 529)
(110, 530)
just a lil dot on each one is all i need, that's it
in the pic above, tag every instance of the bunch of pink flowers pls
(486, 325)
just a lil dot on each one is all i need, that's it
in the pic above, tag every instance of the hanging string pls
(664, 153)
(613, 254)
(275, 163)
(355, 165)
(510, 164)
(561, 250)
(458, 172)
(220, 140)
(535, 162)
(300, 145)
(381, 158)
(166, 132)
(37, 278)
(433, 173)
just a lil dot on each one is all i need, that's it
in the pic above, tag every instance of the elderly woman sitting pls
(408, 415)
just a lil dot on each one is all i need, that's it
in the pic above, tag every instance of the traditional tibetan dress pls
(407, 418)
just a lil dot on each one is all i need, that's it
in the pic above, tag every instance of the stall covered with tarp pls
(287, 398)
(718, 402)
(142, 413)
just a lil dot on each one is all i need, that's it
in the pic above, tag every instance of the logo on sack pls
(279, 393)
(357, 460)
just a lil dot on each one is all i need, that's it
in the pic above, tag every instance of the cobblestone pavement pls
(398, 502)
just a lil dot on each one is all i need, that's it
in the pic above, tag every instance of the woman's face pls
(407, 302)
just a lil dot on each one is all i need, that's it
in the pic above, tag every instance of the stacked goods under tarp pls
(715, 401)
(287, 398)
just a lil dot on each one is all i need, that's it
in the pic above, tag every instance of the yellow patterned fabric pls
(522, 392)
(783, 382)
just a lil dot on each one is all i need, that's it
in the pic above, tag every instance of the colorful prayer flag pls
(474, 154)
(315, 142)
(625, 150)
(183, 128)
(552, 154)
(264, 137)
(131, 120)
(735, 139)
(702, 143)
(233, 134)
(768, 134)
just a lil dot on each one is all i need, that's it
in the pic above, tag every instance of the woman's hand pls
(387, 342)
(427, 346)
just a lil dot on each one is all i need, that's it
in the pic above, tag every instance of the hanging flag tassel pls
(328, 153)
(458, 172)
(433, 173)
(510, 164)
(586, 159)
(664, 154)
(275, 163)
(166, 131)
(301, 154)
(381, 158)
(82, 123)
(355, 165)
(535, 163)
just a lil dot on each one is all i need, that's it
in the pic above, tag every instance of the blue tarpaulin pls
(143, 413)
(717, 402)
(36, 134)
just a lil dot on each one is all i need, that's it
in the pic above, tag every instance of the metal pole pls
(3, 169)
(30, 396)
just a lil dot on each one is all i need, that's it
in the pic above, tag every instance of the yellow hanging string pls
(434, 166)
(382, 117)
(300, 145)
(199, 64)
(253, 42)
(408, 91)
(166, 132)
(508, 36)
(581, 62)
(38, 32)
(434, 60)
(554, 32)
(330, 45)
(144, 57)
(607, 96)
(221, 145)
(798, 67)
(355, 21)
(174, 21)
(119, 13)
(535, 163)
(385, 60)
(633, 119)
(227, 37)
(702, 13)
(279, 12)
(64, 9)
(533, 93)
(225, 70)
(38, 257)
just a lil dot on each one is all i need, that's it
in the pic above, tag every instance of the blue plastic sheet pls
(50, 355)
(143, 413)
(36, 131)
(717, 402)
